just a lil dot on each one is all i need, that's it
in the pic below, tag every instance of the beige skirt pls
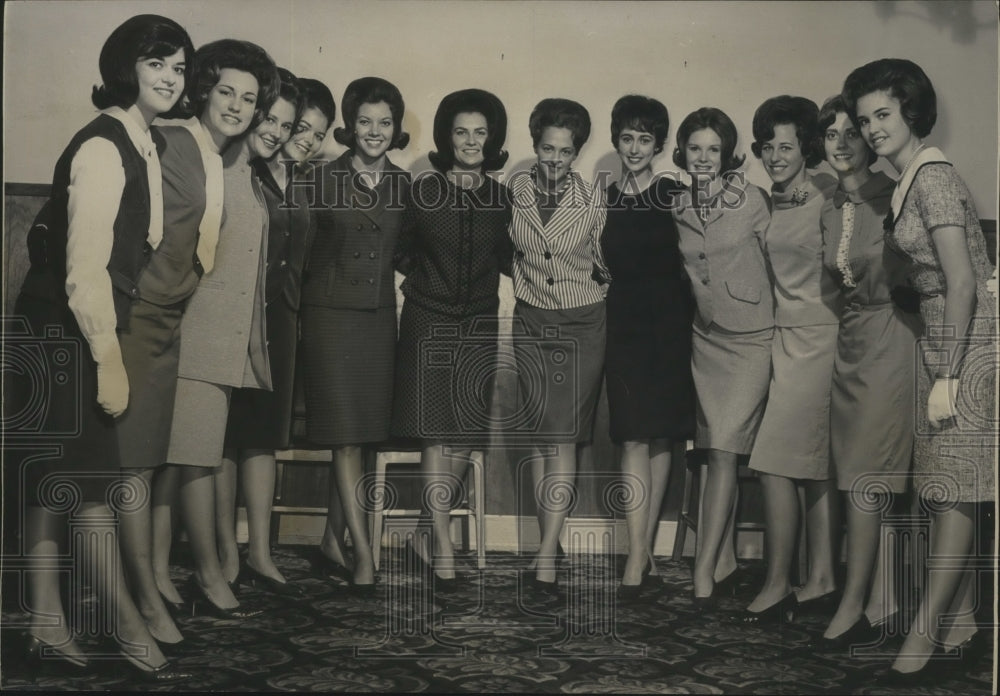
(731, 373)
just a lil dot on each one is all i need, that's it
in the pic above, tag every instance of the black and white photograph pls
(487, 346)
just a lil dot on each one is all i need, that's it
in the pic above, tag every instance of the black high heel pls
(541, 589)
(175, 609)
(861, 632)
(45, 658)
(144, 672)
(727, 586)
(782, 611)
(198, 597)
(329, 568)
(824, 604)
(254, 578)
(415, 562)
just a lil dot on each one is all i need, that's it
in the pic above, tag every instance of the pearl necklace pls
(910, 161)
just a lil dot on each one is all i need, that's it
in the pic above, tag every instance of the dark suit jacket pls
(350, 265)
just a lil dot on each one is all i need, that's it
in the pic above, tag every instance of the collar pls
(926, 156)
(877, 185)
(796, 196)
(140, 137)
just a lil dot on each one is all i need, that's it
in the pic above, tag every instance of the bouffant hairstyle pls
(560, 113)
(640, 113)
(140, 37)
(786, 110)
(290, 90)
(316, 95)
(902, 79)
(828, 114)
(470, 101)
(371, 90)
(718, 121)
(212, 58)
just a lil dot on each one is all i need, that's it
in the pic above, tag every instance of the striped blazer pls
(554, 264)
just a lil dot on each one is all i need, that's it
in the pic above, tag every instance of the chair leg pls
(378, 507)
(478, 474)
(274, 525)
(683, 517)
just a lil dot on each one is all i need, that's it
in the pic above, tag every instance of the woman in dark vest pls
(99, 230)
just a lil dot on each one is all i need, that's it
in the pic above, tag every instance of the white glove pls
(112, 385)
(941, 401)
(991, 283)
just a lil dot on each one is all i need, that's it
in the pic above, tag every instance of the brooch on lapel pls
(799, 195)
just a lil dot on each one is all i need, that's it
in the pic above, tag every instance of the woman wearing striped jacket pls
(559, 316)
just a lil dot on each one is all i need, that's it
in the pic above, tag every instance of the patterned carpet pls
(495, 635)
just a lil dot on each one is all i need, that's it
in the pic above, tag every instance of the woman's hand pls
(112, 386)
(941, 401)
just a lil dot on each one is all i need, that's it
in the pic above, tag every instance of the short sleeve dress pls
(649, 314)
(871, 402)
(956, 463)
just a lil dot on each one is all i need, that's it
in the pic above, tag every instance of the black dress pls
(649, 314)
(453, 248)
(258, 418)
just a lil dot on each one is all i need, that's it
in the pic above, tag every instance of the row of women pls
(194, 257)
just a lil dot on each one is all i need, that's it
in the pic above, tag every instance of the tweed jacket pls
(725, 258)
(350, 265)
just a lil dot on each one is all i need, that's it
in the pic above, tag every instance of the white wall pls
(687, 54)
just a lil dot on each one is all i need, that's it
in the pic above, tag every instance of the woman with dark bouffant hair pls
(92, 251)
(721, 224)
(559, 284)
(259, 420)
(792, 448)
(223, 344)
(933, 223)
(453, 248)
(648, 363)
(349, 305)
(871, 429)
(318, 113)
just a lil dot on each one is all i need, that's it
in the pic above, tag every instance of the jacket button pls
(371, 281)
(283, 263)
(371, 255)
(548, 255)
(550, 281)
(134, 292)
(704, 281)
(360, 227)
(374, 227)
(357, 254)
(701, 255)
(354, 281)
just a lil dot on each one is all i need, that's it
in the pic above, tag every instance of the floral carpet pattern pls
(495, 633)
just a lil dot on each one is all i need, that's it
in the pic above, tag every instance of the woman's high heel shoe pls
(175, 609)
(144, 672)
(41, 657)
(200, 599)
(782, 611)
(257, 580)
(329, 568)
(727, 586)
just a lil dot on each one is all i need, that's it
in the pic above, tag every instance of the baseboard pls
(511, 533)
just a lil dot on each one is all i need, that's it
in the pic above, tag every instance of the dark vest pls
(130, 251)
